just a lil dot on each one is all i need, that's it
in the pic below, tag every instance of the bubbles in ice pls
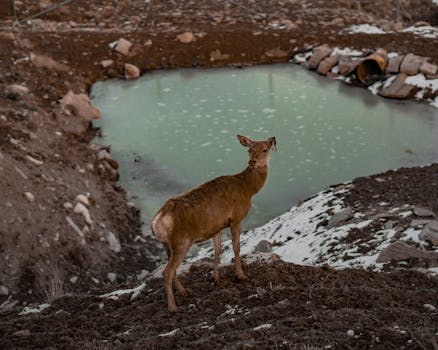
(205, 144)
(166, 89)
(269, 110)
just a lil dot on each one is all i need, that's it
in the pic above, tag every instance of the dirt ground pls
(44, 151)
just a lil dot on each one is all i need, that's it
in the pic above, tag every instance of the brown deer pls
(201, 213)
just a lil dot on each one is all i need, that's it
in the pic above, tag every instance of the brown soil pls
(36, 239)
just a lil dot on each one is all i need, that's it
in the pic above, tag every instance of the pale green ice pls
(172, 130)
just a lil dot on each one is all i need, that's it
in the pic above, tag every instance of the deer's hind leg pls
(178, 283)
(177, 254)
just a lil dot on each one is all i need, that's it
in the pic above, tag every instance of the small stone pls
(100, 306)
(400, 250)
(113, 241)
(29, 196)
(68, 205)
(103, 154)
(73, 279)
(429, 69)
(263, 246)
(429, 307)
(421, 24)
(148, 43)
(340, 217)
(288, 23)
(22, 333)
(419, 222)
(350, 333)
(217, 55)
(82, 198)
(16, 90)
(82, 209)
(123, 46)
(327, 64)
(276, 53)
(4, 290)
(106, 63)
(131, 71)
(111, 276)
(40, 61)
(185, 38)
(423, 212)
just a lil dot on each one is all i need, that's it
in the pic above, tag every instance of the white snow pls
(169, 334)
(421, 81)
(346, 51)
(116, 294)
(34, 310)
(263, 326)
(424, 31)
(435, 2)
(364, 28)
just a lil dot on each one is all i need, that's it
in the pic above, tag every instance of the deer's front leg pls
(235, 233)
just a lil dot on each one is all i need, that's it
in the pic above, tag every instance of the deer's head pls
(258, 150)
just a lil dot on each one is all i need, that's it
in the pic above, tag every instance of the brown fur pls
(204, 211)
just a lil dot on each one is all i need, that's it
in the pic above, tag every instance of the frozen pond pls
(172, 130)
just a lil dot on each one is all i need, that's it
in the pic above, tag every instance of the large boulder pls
(398, 88)
(430, 232)
(394, 64)
(411, 64)
(400, 250)
(319, 54)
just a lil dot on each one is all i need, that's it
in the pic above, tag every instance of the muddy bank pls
(46, 157)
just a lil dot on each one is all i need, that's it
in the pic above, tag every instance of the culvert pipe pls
(373, 67)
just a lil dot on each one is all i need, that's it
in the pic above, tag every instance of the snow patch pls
(34, 310)
(421, 81)
(424, 31)
(364, 28)
(116, 294)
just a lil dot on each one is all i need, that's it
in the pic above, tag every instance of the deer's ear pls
(272, 142)
(245, 141)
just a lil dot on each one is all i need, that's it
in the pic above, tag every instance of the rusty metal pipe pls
(373, 67)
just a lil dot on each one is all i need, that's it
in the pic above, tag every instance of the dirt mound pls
(282, 306)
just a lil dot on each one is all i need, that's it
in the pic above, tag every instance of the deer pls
(204, 211)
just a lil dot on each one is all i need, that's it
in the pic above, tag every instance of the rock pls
(7, 36)
(288, 24)
(340, 217)
(29, 196)
(123, 46)
(319, 54)
(113, 241)
(16, 91)
(68, 205)
(111, 276)
(217, 55)
(423, 212)
(411, 64)
(398, 89)
(400, 250)
(82, 198)
(276, 53)
(41, 61)
(73, 279)
(131, 71)
(350, 333)
(4, 290)
(263, 246)
(347, 65)
(260, 257)
(394, 64)
(22, 333)
(421, 24)
(185, 38)
(80, 106)
(416, 223)
(103, 154)
(430, 232)
(82, 209)
(327, 64)
(429, 69)
(106, 63)
(429, 307)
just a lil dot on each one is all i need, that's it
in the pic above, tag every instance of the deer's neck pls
(253, 178)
